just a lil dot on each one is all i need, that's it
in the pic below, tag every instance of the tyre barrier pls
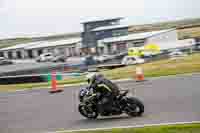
(21, 79)
(35, 78)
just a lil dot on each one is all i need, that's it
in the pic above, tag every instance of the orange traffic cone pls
(54, 88)
(139, 74)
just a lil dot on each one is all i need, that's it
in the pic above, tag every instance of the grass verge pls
(189, 64)
(185, 128)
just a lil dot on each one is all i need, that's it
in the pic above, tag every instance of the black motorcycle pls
(125, 104)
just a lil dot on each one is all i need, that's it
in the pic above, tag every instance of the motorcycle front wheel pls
(134, 107)
(87, 112)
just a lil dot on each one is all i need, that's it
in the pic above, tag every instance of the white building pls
(67, 47)
(17, 51)
(166, 39)
(122, 43)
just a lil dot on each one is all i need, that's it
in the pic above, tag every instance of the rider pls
(106, 89)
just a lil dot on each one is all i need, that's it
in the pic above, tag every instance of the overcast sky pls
(40, 17)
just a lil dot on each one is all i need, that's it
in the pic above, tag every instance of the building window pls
(1, 54)
(87, 27)
(19, 55)
(116, 34)
(114, 23)
(101, 50)
(30, 53)
(10, 55)
(97, 33)
(109, 49)
(50, 50)
(40, 52)
(119, 32)
(74, 51)
(121, 47)
(100, 32)
(138, 43)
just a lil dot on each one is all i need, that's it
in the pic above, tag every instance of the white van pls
(130, 60)
(45, 57)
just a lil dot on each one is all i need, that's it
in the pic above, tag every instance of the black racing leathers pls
(108, 91)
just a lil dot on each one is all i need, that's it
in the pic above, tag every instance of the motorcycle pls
(125, 104)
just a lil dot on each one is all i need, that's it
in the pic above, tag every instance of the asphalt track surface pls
(169, 99)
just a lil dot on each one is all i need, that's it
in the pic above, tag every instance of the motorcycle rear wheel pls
(134, 107)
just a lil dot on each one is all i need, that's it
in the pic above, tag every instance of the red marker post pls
(139, 74)
(54, 88)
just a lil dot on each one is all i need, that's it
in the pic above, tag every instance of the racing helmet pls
(93, 76)
(90, 76)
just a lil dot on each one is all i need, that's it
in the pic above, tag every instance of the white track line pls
(124, 127)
